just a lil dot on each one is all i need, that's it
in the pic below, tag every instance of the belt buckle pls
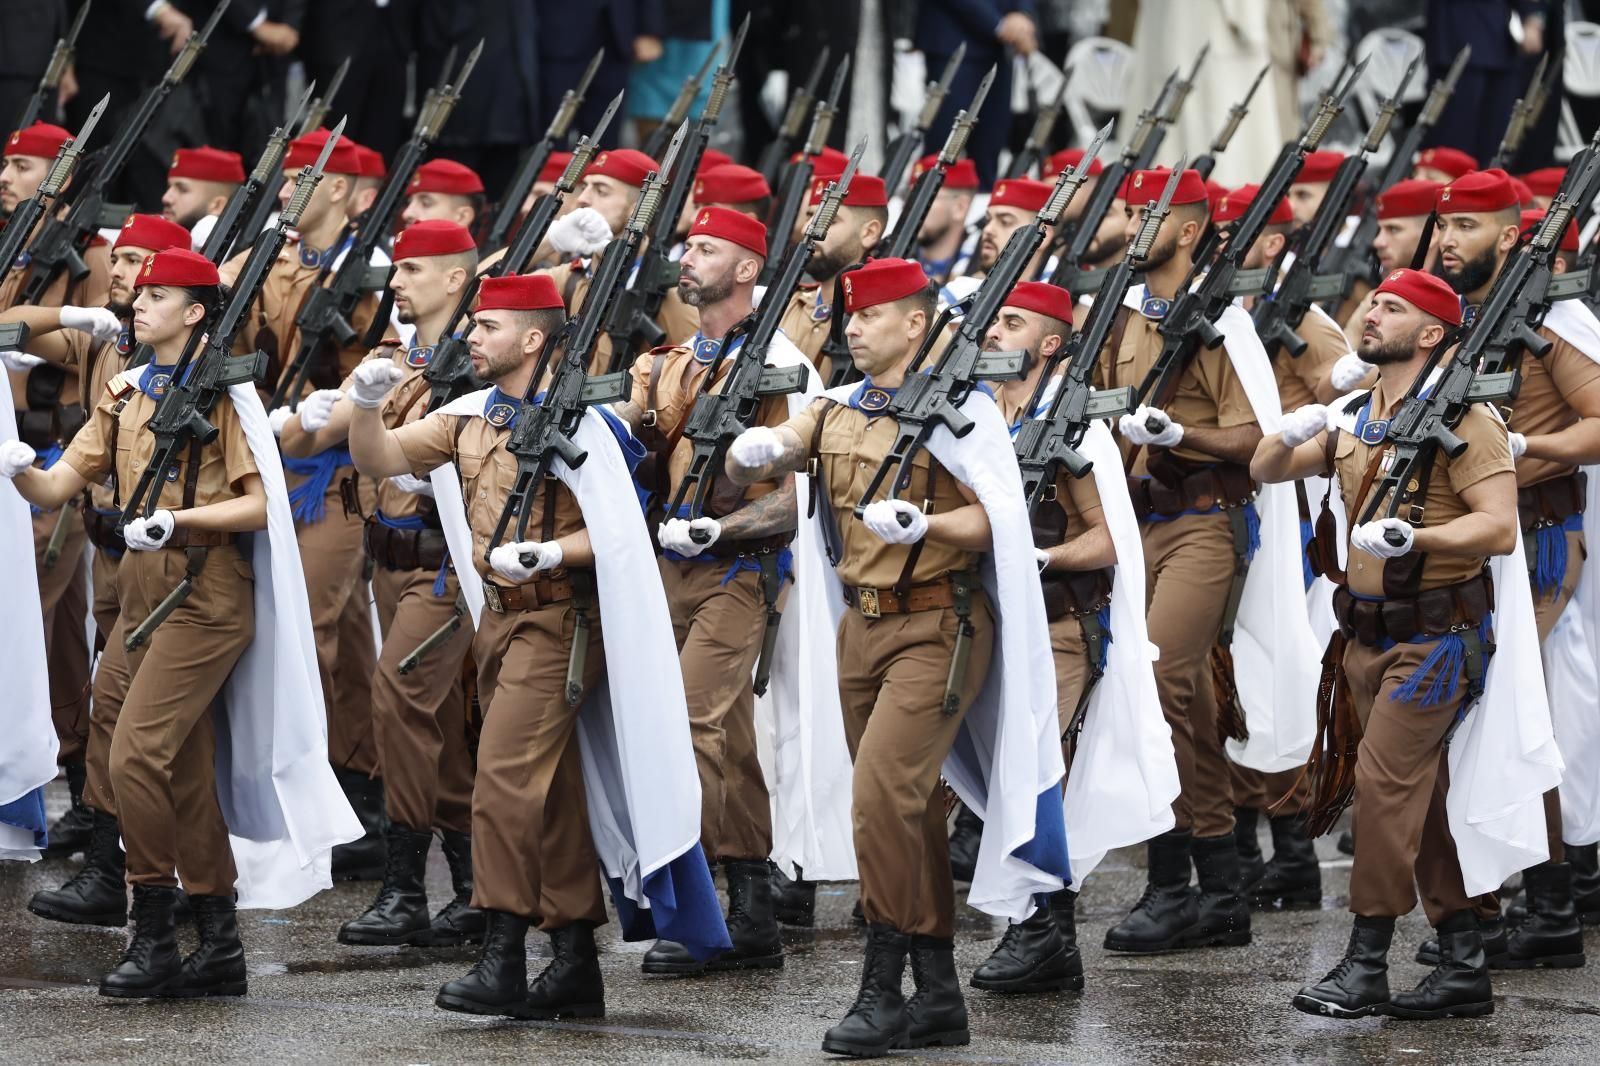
(491, 597)
(867, 602)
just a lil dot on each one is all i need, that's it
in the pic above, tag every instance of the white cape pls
(1276, 658)
(1503, 758)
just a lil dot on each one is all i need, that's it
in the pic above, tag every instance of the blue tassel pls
(444, 572)
(1449, 655)
(309, 497)
(1252, 531)
(48, 458)
(1551, 569)
(1104, 616)
(1308, 533)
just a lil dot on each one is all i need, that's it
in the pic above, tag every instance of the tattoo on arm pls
(790, 460)
(775, 512)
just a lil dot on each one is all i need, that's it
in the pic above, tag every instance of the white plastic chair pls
(1580, 76)
(1388, 52)
(1100, 68)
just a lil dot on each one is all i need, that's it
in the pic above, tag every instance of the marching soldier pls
(1400, 606)
(737, 188)
(1311, 184)
(1543, 184)
(199, 183)
(367, 182)
(856, 231)
(444, 189)
(1014, 203)
(1443, 165)
(1402, 209)
(944, 230)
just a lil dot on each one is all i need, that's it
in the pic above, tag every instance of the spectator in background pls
(239, 78)
(1298, 35)
(692, 29)
(377, 36)
(625, 32)
(29, 30)
(1475, 118)
(992, 30)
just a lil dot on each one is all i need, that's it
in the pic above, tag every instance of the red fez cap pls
(1569, 239)
(1545, 181)
(1428, 293)
(1025, 193)
(625, 164)
(1052, 301)
(1410, 198)
(1452, 161)
(370, 160)
(1524, 194)
(1068, 157)
(830, 162)
(207, 164)
(1233, 204)
(554, 167)
(178, 266)
(1482, 190)
(730, 225)
(866, 190)
(435, 236)
(152, 232)
(730, 184)
(712, 158)
(1143, 186)
(962, 174)
(882, 281)
(303, 151)
(40, 139)
(446, 176)
(1319, 166)
(519, 292)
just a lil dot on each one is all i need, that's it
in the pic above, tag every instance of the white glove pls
(1041, 557)
(677, 535)
(98, 322)
(1303, 423)
(506, 560)
(19, 361)
(1166, 434)
(277, 418)
(316, 410)
(373, 380)
(417, 486)
(148, 534)
(15, 457)
(1348, 371)
(582, 231)
(883, 519)
(1519, 445)
(1369, 537)
(755, 447)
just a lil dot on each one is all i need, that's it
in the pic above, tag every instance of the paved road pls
(314, 1000)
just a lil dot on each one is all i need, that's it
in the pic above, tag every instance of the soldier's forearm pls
(576, 549)
(372, 446)
(49, 489)
(762, 517)
(1236, 444)
(788, 461)
(242, 514)
(1577, 445)
(967, 528)
(1274, 461)
(1089, 550)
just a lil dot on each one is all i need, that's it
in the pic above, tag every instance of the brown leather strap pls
(928, 596)
(903, 583)
(191, 476)
(116, 424)
(540, 592)
(199, 538)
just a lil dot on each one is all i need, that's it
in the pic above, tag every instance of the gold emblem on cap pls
(1138, 180)
(1444, 197)
(705, 218)
(1395, 276)
(600, 160)
(847, 285)
(174, 159)
(699, 189)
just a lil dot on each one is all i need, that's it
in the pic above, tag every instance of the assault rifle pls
(1525, 113)
(1282, 308)
(1206, 163)
(926, 401)
(1048, 443)
(61, 242)
(50, 84)
(205, 370)
(28, 212)
(326, 314)
(1033, 149)
(245, 199)
(904, 238)
(794, 121)
(796, 185)
(449, 372)
(632, 324)
(533, 162)
(908, 145)
(311, 119)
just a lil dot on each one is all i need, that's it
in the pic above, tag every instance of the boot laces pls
(143, 942)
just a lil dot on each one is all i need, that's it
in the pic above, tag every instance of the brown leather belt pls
(1550, 503)
(1428, 614)
(199, 538)
(1076, 594)
(928, 596)
(540, 592)
(732, 548)
(405, 549)
(1223, 485)
(102, 530)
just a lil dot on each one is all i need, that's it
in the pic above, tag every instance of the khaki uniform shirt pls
(849, 453)
(92, 291)
(1541, 405)
(1301, 378)
(406, 403)
(96, 374)
(801, 324)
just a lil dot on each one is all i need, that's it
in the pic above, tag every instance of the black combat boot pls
(1224, 916)
(1292, 879)
(571, 986)
(1359, 985)
(1459, 986)
(96, 894)
(877, 1022)
(964, 840)
(458, 922)
(1550, 935)
(216, 967)
(70, 833)
(1246, 820)
(1031, 957)
(498, 981)
(794, 901)
(752, 925)
(361, 860)
(1063, 907)
(152, 958)
(1168, 911)
(936, 1015)
(1585, 862)
(400, 911)
(1495, 940)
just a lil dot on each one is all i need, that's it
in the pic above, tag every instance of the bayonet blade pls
(674, 147)
(738, 44)
(332, 143)
(589, 72)
(466, 68)
(1154, 216)
(834, 195)
(814, 79)
(951, 67)
(839, 75)
(976, 107)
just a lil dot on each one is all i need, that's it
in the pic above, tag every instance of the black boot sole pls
(1034, 982)
(727, 963)
(864, 1051)
(948, 1038)
(109, 919)
(1552, 962)
(358, 938)
(672, 969)
(217, 988)
(439, 938)
(461, 1005)
(565, 1010)
(1135, 947)
(1460, 1010)
(1311, 1005)
(156, 991)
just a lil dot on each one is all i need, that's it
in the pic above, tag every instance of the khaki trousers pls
(532, 852)
(718, 626)
(892, 673)
(331, 553)
(419, 720)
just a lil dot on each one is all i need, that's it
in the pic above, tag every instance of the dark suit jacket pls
(942, 25)
(1479, 23)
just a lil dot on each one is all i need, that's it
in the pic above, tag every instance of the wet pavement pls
(314, 1000)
